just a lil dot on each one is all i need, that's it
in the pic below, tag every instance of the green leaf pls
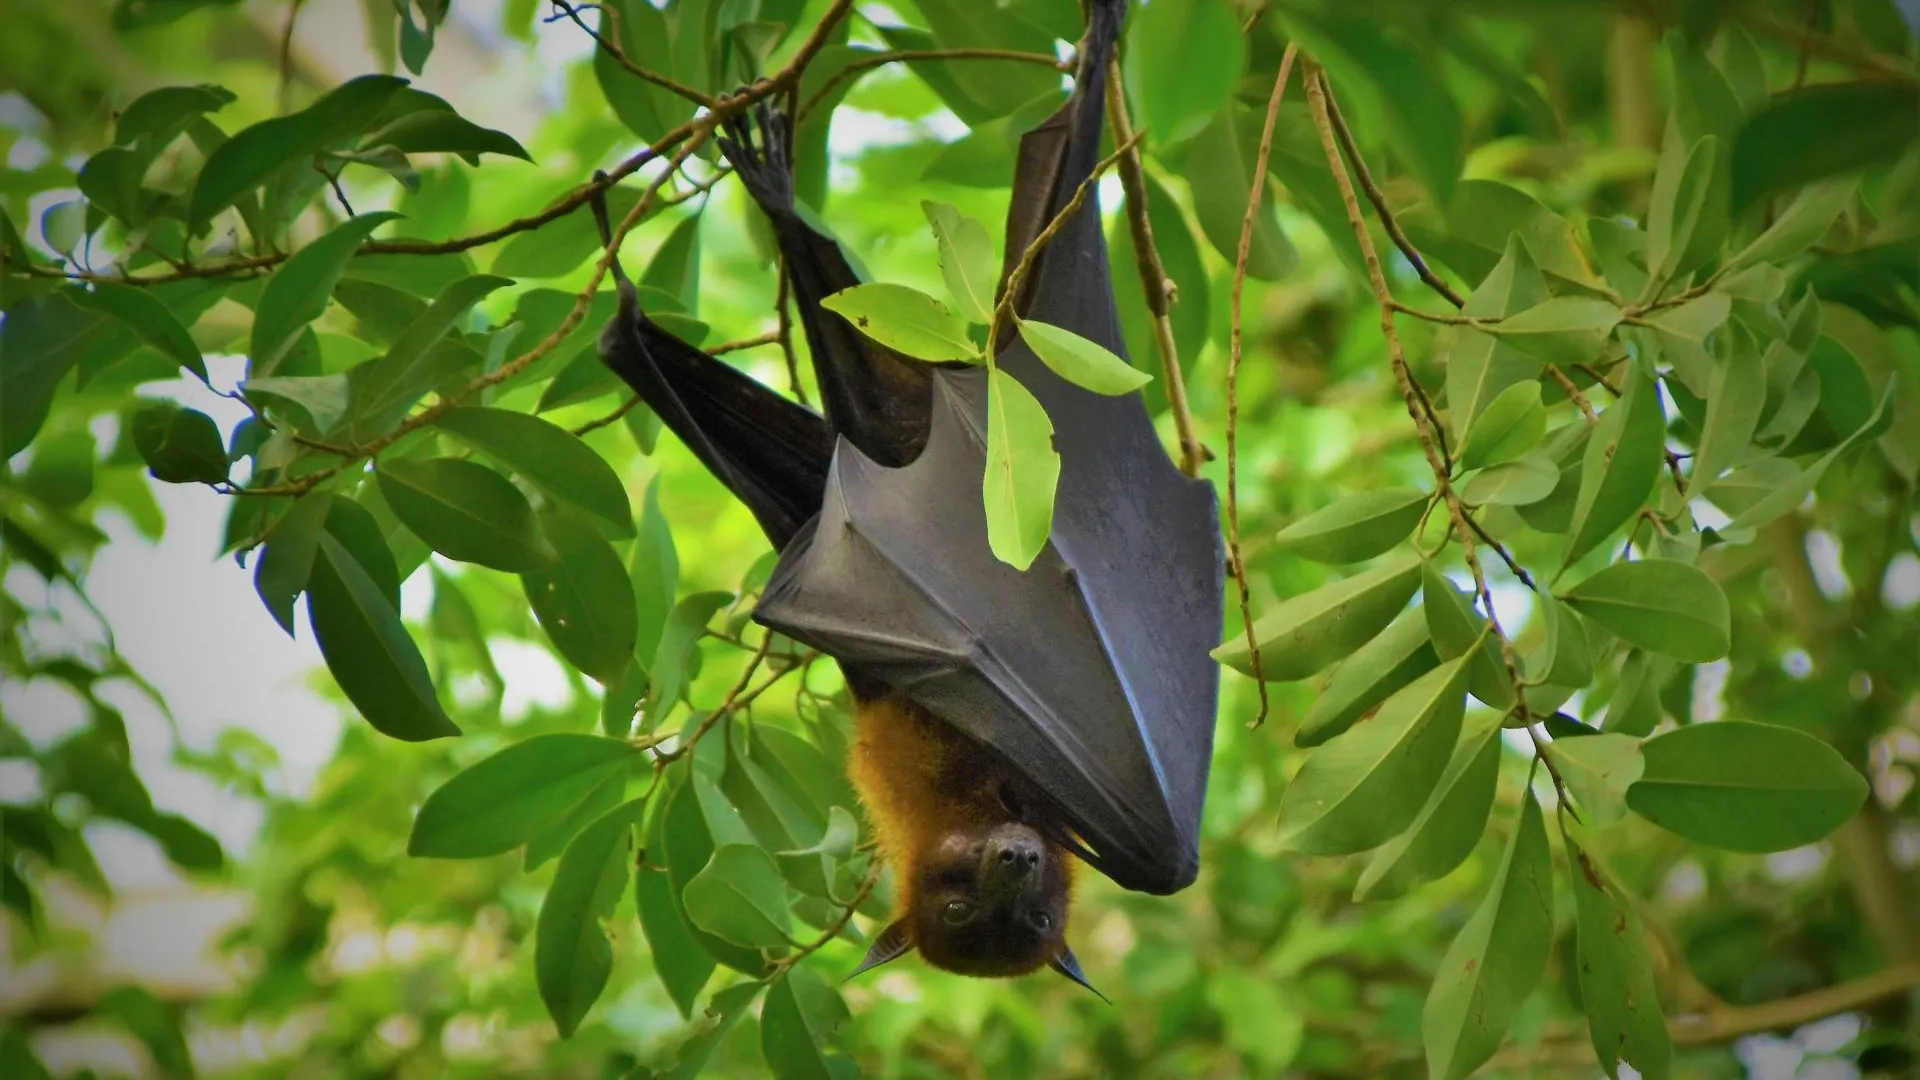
(383, 390)
(1745, 787)
(966, 259)
(1485, 219)
(246, 160)
(286, 562)
(688, 843)
(1564, 331)
(799, 1020)
(647, 110)
(1689, 217)
(1617, 987)
(437, 131)
(1357, 527)
(1494, 962)
(1173, 90)
(1360, 790)
(1622, 461)
(683, 966)
(739, 897)
(547, 456)
(366, 540)
(1779, 487)
(1218, 167)
(1563, 658)
(1703, 103)
(1598, 769)
(1513, 423)
(723, 1014)
(984, 90)
(1392, 85)
(558, 247)
(42, 339)
(1520, 482)
(1022, 470)
(1822, 131)
(1735, 399)
(1084, 363)
(149, 318)
(583, 600)
(163, 114)
(678, 637)
(502, 801)
(1804, 220)
(155, 1023)
(1635, 709)
(298, 291)
(323, 398)
(180, 446)
(1456, 629)
(1668, 607)
(368, 651)
(1482, 366)
(1306, 633)
(1449, 825)
(1400, 654)
(571, 956)
(675, 266)
(654, 570)
(905, 320)
(466, 512)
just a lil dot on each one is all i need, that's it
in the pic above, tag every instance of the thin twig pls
(834, 930)
(1160, 291)
(1379, 201)
(1018, 277)
(1573, 392)
(1235, 350)
(782, 297)
(333, 181)
(612, 48)
(1317, 95)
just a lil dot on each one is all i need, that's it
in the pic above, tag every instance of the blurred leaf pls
(1218, 166)
(1386, 80)
(1820, 131)
(799, 1020)
(1357, 527)
(155, 1024)
(1598, 769)
(1306, 633)
(1497, 958)
(42, 339)
(1803, 221)
(466, 512)
(1022, 469)
(1181, 63)
(368, 651)
(1689, 218)
(1745, 787)
(1365, 787)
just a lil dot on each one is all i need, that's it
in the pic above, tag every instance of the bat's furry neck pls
(921, 780)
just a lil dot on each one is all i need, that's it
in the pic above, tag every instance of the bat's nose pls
(1017, 855)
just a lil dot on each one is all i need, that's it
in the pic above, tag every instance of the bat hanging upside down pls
(1005, 719)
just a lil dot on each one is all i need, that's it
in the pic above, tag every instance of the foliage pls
(1575, 447)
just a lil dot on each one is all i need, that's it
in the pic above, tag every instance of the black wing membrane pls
(1089, 671)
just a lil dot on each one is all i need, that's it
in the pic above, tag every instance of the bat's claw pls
(756, 143)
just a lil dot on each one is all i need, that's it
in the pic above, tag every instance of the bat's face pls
(992, 902)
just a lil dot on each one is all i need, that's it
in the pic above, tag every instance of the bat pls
(1005, 719)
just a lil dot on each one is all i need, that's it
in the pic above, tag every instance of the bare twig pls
(1235, 350)
(1379, 201)
(333, 181)
(839, 925)
(1159, 290)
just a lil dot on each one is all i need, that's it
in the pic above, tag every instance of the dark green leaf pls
(1564, 331)
(1496, 959)
(1365, 787)
(1218, 166)
(246, 160)
(150, 319)
(1822, 131)
(297, 292)
(504, 800)
(286, 562)
(683, 966)
(427, 131)
(1689, 218)
(547, 456)
(655, 573)
(675, 266)
(583, 600)
(1400, 654)
(368, 651)
(1482, 366)
(571, 956)
(1745, 787)
(1356, 528)
(739, 897)
(799, 1020)
(678, 636)
(1617, 987)
(1622, 461)
(1660, 605)
(355, 527)
(156, 1024)
(180, 446)
(1306, 633)
(42, 339)
(1456, 629)
(466, 512)
(1449, 825)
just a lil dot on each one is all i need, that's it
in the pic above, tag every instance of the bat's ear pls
(1069, 965)
(893, 943)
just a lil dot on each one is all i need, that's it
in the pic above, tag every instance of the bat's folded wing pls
(1088, 671)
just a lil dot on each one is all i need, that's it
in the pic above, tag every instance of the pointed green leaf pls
(1598, 769)
(966, 259)
(797, 1028)
(1360, 790)
(1521, 482)
(571, 955)
(1660, 605)
(739, 897)
(547, 456)
(1513, 423)
(42, 339)
(368, 651)
(466, 512)
(1787, 492)
(280, 575)
(298, 291)
(180, 446)
(247, 159)
(1449, 825)
(1622, 461)
(1023, 469)
(583, 600)
(1400, 654)
(149, 318)
(1689, 217)
(1734, 401)
(1564, 331)
(1745, 787)
(1306, 633)
(1496, 959)
(678, 637)
(1355, 528)
(502, 801)
(1563, 658)
(1617, 987)
(1173, 94)
(1084, 363)
(1457, 628)
(1804, 220)
(905, 320)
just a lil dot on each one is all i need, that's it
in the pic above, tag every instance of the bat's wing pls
(1089, 671)
(771, 453)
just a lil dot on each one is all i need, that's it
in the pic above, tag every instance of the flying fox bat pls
(1005, 719)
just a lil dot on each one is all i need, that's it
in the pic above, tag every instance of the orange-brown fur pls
(921, 781)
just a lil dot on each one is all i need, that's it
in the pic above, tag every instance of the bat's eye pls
(957, 911)
(1042, 921)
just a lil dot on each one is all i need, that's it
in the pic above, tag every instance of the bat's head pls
(988, 902)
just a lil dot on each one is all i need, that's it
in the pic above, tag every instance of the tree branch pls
(1379, 201)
